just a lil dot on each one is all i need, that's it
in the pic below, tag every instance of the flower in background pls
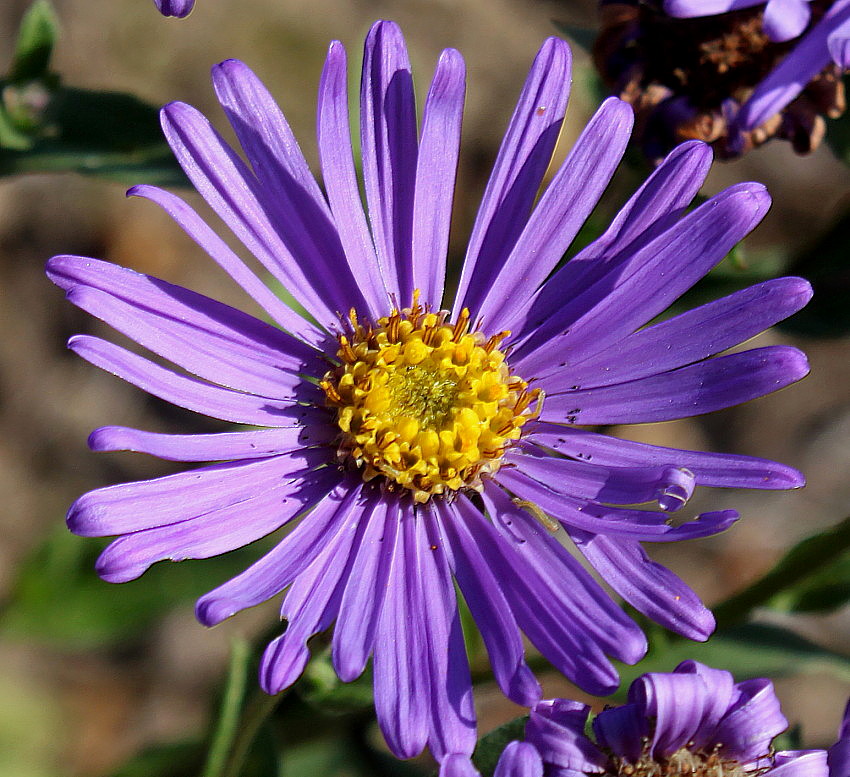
(694, 721)
(420, 446)
(178, 8)
(733, 73)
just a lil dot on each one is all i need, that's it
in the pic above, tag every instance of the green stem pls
(801, 561)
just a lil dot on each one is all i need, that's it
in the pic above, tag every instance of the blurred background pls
(92, 674)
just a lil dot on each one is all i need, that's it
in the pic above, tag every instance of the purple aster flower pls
(839, 754)
(178, 8)
(420, 446)
(695, 721)
(733, 73)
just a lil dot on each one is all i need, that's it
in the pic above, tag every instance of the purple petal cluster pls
(178, 8)
(828, 41)
(363, 556)
(693, 721)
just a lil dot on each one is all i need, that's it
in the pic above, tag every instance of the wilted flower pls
(733, 73)
(420, 445)
(693, 722)
(178, 8)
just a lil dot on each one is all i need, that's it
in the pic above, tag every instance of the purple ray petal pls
(436, 168)
(695, 8)
(563, 208)
(452, 714)
(177, 8)
(578, 592)
(791, 75)
(651, 210)
(483, 595)
(337, 160)
(622, 730)
(191, 393)
(711, 469)
(354, 634)
(750, 726)
(786, 19)
(518, 171)
(839, 753)
(519, 759)
(803, 763)
(217, 447)
(400, 655)
(213, 532)
(838, 42)
(144, 504)
(613, 485)
(556, 730)
(722, 692)
(302, 216)
(389, 146)
(169, 311)
(550, 628)
(687, 338)
(457, 765)
(699, 388)
(290, 557)
(649, 587)
(311, 605)
(197, 229)
(231, 190)
(630, 295)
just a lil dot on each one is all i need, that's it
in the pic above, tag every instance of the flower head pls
(424, 442)
(734, 73)
(693, 722)
(178, 8)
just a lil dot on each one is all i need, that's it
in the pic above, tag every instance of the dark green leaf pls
(581, 36)
(490, 747)
(36, 36)
(320, 687)
(826, 590)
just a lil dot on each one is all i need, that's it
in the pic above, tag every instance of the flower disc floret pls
(428, 404)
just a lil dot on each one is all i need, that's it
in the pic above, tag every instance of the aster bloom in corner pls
(693, 722)
(178, 8)
(734, 73)
(420, 445)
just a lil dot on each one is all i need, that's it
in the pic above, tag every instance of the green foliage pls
(490, 747)
(36, 38)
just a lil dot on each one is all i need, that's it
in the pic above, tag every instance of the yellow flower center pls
(428, 404)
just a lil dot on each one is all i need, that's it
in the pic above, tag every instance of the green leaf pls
(753, 650)
(581, 36)
(490, 746)
(320, 687)
(36, 37)
(108, 134)
(827, 589)
(175, 759)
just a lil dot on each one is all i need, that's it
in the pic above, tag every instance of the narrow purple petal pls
(197, 229)
(436, 168)
(786, 19)
(519, 759)
(290, 557)
(563, 208)
(457, 765)
(631, 294)
(751, 725)
(390, 148)
(839, 753)
(452, 715)
(401, 653)
(651, 210)
(258, 444)
(233, 192)
(354, 634)
(791, 75)
(486, 601)
(594, 610)
(311, 604)
(191, 393)
(622, 730)
(722, 692)
(556, 730)
(838, 42)
(687, 338)
(803, 763)
(301, 215)
(177, 8)
(550, 628)
(699, 388)
(522, 160)
(649, 587)
(695, 8)
(144, 504)
(338, 171)
(214, 532)
(710, 469)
